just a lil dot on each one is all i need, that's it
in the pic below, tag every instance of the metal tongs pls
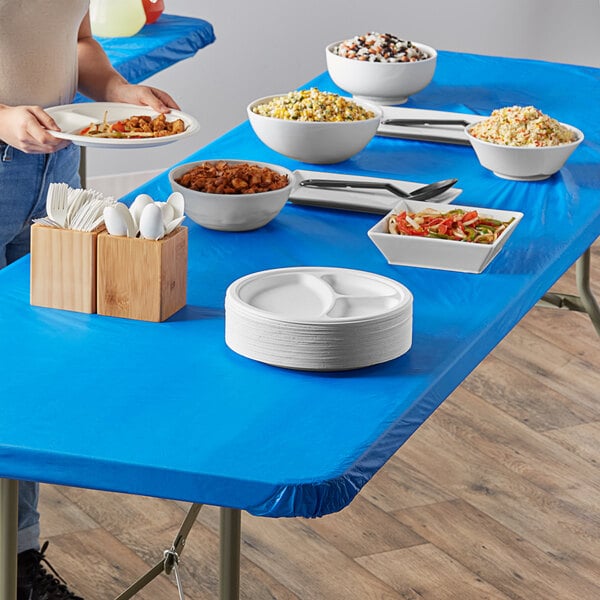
(426, 192)
(421, 122)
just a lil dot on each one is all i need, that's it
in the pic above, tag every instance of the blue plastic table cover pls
(171, 39)
(169, 410)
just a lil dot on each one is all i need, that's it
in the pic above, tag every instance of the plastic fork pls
(57, 203)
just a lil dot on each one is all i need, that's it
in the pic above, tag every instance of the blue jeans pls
(24, 181)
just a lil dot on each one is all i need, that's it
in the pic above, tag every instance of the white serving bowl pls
(434, 253)
(231, 212)
(523, 163)
(313, 141)
(381, 82)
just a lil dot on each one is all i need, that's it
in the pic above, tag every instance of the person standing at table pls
(47, 53)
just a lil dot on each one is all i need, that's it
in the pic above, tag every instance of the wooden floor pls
(496, 496)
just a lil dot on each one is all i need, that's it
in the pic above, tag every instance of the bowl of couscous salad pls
(522, 143)
(381, 67)
(314, 126)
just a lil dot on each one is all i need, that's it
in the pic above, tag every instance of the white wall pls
(272, 46)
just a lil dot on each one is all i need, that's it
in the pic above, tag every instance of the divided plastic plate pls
(72, 118)
(318, 318)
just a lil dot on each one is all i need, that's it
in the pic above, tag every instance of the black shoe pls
(35, 583)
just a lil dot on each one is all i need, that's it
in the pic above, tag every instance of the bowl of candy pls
(522, 143)
(232, 195)
(313, 126)
(380, 68)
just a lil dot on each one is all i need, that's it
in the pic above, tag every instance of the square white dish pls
(434, 253)
(449, 134)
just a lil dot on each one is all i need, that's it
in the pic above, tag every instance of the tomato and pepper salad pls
(117, 127)
(456, 224)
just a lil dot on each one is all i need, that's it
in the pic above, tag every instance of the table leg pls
(82, 167)
(170, 559)
(582, 275)
(9, 506)
(585, 301)
(230, 535)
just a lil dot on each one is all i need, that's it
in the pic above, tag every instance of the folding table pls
(168, 410)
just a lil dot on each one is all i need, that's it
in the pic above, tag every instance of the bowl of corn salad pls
(522, 143)
(314, 126)
(380, 67)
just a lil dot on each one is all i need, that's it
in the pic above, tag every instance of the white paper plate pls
(322, 354)
(362, 200)
(319, 295)
(449, 134)
(318, 318)
(72, 118)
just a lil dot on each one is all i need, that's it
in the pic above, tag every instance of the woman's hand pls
(142, 95)
(26, 128)
(99, 81)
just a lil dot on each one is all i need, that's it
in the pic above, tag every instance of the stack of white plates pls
(318, 318)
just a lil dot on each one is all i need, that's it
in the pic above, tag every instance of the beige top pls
(38, 50)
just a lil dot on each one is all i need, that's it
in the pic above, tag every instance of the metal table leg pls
(170, 559)
(585, 301)
(230, 536)
(83, 167)
(9, 506)
(582, 274)
(230, 540)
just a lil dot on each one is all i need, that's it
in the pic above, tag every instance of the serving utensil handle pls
(417, 122)
(338, 183)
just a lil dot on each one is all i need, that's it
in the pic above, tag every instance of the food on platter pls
(456, 224)
(522, 126)
(140, 126)
(313, 105)
(232, 178)
(380, 47)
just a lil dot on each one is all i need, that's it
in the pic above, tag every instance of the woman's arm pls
(99, 81)
(26, 127)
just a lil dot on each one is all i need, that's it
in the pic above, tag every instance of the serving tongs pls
(432, 191)
(421, 122)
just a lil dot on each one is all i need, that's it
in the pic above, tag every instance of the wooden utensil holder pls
(142, 279)
(63, 268)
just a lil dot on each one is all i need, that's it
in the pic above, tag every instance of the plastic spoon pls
(151, 223)
(115, 224)
(127, 218)
(176, 200)
(138, 205)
